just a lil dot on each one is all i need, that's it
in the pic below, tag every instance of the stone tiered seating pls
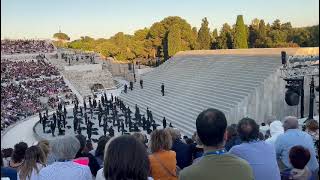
(238, 84)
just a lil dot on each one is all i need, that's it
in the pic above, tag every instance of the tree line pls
(173, 34)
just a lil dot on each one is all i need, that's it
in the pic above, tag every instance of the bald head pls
(290, 122)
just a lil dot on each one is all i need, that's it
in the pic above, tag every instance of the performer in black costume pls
(53, 127)
(164, 122)
(111, 131)
(162, 89)
(141, 83)
(125, 88)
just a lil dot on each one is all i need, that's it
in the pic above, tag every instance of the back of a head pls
(126, 158)
(175, 133)
(7, 152)
(82, 139)
(248, 130)
(211, 126)
(101, 145)
(160, 140)
(32, 157)
(140, 137)
(276, 127)
(19, 152)
(312, 125)
(65, 148)
(299, 157)
(44, 146)
(290, 122)
(232, 131)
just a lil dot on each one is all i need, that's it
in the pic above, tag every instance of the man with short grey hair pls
(293, 136)
(65, 150)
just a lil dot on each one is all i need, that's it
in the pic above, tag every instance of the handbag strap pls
(164, 167)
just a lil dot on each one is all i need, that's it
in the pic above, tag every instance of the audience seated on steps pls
(183, 150)
(293, 136)
(65, 150)
(125, 158)
(216, 163)
(260, 155)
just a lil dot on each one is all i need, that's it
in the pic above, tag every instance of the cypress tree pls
(174, 40)
(240, 36)
(204, 38)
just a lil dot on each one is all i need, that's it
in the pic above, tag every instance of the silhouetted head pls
(126, 158)
(211, 127)
(248, 130)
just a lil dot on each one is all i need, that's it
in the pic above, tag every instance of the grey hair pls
(174, 132)
(65, 148)
(290, 122)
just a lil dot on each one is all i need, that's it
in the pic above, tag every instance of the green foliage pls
(61, 36)
(240, 34)
(214, 39)
(163, 39)
(204, 38)
(174, 40)
(224, 41)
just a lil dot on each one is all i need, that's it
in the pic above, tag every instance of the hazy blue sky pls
(103, 18)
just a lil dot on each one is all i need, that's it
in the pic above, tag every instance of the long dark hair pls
(126, 159)
(101, 146)
(19, 152)
(33, 156)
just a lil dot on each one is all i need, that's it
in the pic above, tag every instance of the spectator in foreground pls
(141, 137)
(197, 150)
(162, 160)
(83, 156)
(260, 155)
(7, 173)
(183, 150)
(232, 137)
(276, 128)
(18, 154)
(299, 157)
(65, 149)
(293, 136)
(99, 153)
(312, 128)
(6, 154)
(216, 163)
(32, 164)
(125, 158)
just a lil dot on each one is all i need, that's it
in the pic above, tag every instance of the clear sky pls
(103, 18)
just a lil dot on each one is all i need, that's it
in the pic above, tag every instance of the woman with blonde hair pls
(44, 145)
(32, 164)
(162, 160)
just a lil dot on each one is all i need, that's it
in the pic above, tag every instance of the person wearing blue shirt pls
(260, 155)
(293, 136)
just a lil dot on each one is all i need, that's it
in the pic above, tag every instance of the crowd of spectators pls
(26, 69)
(9, 47)
(24, 83)
(166, 155)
